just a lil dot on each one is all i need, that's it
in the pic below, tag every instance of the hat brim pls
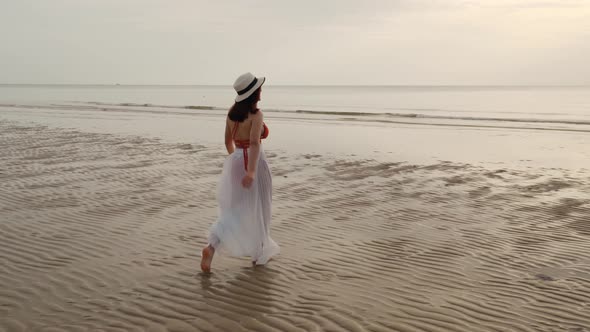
(258, 84)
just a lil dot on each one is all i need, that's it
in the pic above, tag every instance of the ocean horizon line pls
(305, 85)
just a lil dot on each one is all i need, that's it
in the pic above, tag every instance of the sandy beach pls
(102, 232)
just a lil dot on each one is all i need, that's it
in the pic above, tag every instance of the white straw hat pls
(246, 84)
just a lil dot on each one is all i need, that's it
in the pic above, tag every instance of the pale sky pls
(390, 42)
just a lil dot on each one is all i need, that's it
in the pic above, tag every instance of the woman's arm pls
(254, 153)
(229, 141)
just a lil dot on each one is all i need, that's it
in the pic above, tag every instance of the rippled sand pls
(101, 232)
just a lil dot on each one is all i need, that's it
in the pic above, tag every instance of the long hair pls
(240, 110)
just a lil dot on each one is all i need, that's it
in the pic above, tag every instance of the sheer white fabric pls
(243, 226)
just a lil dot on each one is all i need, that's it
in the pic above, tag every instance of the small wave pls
(390, 117)
(189, 107)
(445, 117)
(369, 114)
(206, 108)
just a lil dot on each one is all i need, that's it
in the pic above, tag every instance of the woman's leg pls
(207, 254)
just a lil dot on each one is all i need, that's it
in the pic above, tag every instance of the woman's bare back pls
(244, 128)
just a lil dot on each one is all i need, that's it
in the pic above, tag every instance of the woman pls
(245, 190)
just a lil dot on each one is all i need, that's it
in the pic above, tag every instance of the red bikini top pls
(264, 131)
(244, 144)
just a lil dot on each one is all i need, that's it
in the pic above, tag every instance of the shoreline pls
(416, 143)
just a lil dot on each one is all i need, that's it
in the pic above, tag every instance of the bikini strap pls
(244, 147)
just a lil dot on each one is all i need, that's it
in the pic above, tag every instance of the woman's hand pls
(247, 180)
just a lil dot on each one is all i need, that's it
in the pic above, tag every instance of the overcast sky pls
(295, 41)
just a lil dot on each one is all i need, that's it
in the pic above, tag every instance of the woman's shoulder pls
(257, 115)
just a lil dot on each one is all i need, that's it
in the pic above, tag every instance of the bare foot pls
(206, 258)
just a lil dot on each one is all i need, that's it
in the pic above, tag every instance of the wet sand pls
(102, 232)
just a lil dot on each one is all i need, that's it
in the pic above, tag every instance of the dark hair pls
(240, 110)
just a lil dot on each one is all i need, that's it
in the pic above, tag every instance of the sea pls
(549, 124)
(542, 107)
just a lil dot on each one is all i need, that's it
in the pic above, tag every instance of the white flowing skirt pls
(243, 226)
